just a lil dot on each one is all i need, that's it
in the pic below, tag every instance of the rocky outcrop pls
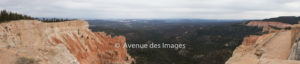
(271, 48)
(249, 40)
(245, 53)
(266, 24)
(69, 42)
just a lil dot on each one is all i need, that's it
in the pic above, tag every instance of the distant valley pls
(208, 41)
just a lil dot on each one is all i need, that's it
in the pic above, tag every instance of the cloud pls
(105, 9)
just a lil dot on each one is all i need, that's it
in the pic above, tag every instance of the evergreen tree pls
(8, 16)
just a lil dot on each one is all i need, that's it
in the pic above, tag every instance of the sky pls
(154, 9)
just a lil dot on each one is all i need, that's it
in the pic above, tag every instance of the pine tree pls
(4, 15)
(7, 16)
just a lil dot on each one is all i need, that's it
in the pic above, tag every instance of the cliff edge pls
(268, 24)
(69, 42)
(275, 47)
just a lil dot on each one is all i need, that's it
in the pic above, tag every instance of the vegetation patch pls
(6, 16)
(25, 60)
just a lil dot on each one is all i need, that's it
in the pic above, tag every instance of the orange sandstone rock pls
(69, 42)
(266, 24)
(250, 40)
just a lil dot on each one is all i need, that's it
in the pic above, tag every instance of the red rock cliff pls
(69, 42)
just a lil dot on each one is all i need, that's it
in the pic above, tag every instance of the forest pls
(206, 42)
(6, 16)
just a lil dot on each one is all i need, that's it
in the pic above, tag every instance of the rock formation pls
(270, 48)
(69, 42)
(250, 40)
(266, 24)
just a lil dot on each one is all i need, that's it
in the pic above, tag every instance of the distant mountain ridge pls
(285, 19)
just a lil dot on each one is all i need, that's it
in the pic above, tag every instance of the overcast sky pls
(122, 9)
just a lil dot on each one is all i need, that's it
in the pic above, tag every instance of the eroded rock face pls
(266, 25)
(270, 48)
(250, 40)
(269, 23)
(69, 42)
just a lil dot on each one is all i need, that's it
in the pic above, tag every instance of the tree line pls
(55, 19)
(6, 16)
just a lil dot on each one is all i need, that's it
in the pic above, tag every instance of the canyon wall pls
(69, 42)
